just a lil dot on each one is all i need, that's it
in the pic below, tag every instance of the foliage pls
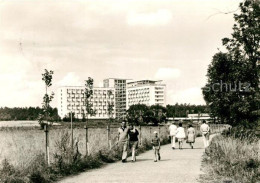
(65, 153)
(140, 114)
(182, 110)
(88, 94)
(232, 159)
(159, 114)
(241, 133)
(44, 117)
(111, 105)
(135, 113)
(232, 89)
(25, 113)
(67, 162)
(67, 118)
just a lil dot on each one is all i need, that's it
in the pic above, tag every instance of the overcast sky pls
(143, 39)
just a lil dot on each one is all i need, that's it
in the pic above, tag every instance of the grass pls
(230, 159)
(26, 163)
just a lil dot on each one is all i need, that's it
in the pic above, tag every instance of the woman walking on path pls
(180, 135)
(133, 140)
(191, 135)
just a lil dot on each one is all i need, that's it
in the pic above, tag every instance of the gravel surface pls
(177, 166)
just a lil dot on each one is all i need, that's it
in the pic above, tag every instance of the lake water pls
(20, 123)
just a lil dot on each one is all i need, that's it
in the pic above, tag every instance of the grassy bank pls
(230, 159)
(65, 160)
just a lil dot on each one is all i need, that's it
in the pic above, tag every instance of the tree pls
(159, 113)
(136, 112)
(140, 113)
(182, 110)
(110, 105)
(88, 95)
(232, 89)
(110, 112)
(46, 108)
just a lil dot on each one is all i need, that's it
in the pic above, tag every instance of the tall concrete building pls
(120, 94)
(71, 99)
(146, 92)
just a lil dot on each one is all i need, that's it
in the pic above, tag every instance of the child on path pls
(156, 147)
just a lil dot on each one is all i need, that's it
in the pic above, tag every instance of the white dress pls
(180, 134)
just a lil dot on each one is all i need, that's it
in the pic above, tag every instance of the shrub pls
(241, 133)
(233, 158)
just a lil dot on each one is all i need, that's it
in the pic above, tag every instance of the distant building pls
(120, 95)
(71, 99)
(194, 118)
(146, 92)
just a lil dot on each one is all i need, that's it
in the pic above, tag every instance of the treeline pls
(182, 110)
(155, 114)
(25, 113)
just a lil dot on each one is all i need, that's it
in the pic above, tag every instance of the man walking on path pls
(204, 128)
(123, 140)
(173, 129)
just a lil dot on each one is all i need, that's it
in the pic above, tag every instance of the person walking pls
(133, 141)
(180, 135)
(204, 128)
(173, 130)
(191, 134)
(123, 140)
(156, 146)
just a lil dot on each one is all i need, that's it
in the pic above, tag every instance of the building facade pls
(71, 99)
(146, 92)
(120, 95)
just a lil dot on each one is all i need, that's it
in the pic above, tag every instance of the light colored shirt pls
(173, 130)
(123, 134)
(204, 128)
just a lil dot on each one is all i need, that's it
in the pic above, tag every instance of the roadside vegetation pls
(232, 157)
(31, 165)
(232, 94)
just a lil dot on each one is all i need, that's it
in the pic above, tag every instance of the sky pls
(169, 40)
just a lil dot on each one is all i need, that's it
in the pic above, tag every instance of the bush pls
(234, 159)
(241, 133)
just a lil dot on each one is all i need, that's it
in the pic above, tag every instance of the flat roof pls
(145, 80)
(118, 79)
(84, 87)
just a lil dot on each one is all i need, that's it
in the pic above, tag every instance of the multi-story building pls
(71, 99)
(146, 92)
(120, 94)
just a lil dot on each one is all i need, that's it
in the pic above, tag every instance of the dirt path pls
(177, 166)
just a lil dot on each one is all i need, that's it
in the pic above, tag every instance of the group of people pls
(128, 137)
(190, 136)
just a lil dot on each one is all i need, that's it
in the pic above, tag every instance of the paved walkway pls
(177, 166)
